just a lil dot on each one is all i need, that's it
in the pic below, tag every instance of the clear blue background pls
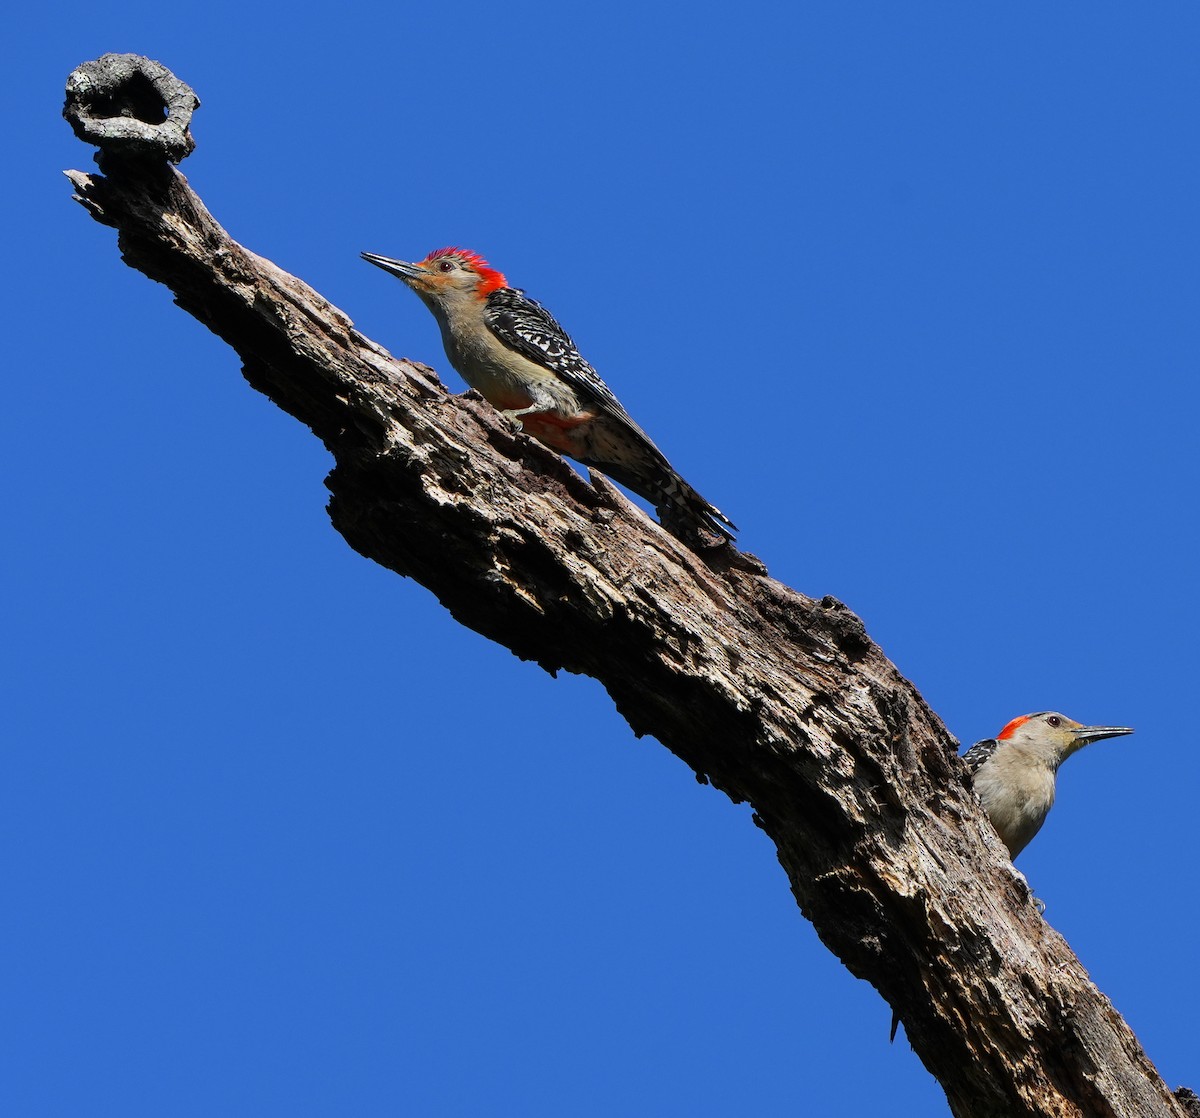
(909, 291)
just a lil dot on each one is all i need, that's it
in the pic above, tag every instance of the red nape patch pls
(1013, 726)
(489, 279)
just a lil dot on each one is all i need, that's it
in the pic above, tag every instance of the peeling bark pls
(773, 697)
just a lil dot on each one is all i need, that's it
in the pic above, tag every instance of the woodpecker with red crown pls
(1014, 772)
(515, 354)
(1014, 775)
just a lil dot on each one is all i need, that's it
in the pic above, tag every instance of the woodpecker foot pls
(513, 419)
(1040, 905)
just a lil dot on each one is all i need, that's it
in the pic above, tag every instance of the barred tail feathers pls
(613, 444)
(687, 515)
(682, 511)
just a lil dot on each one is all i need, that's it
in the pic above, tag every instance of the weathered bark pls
(773, 697)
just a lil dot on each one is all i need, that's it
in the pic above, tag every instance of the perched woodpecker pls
(1014, 775)
(1014, 772)
(511, 350)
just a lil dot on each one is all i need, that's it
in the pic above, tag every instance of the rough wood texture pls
(773, 697)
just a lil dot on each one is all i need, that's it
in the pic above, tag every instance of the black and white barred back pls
(526, 327)
(980, 753)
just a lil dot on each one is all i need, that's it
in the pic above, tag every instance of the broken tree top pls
(129, 105)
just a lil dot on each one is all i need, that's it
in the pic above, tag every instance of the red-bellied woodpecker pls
(511, 350)
(1014, 772)
(1014, 775)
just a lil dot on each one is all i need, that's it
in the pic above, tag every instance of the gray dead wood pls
(774, 698)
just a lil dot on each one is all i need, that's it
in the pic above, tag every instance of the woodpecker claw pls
(513, 415)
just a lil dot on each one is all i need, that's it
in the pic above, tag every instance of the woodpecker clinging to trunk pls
(1014, 772)
(1014, 775)
(513, 352)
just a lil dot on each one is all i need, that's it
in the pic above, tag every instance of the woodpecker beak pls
(401, 269)
(1085, 735)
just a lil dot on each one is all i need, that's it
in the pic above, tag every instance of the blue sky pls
(910, 292)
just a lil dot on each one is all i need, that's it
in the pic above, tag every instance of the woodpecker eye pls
(1054, 720)
(445, 265)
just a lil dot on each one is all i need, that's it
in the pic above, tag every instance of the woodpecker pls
(1014, 772)
(512, 350)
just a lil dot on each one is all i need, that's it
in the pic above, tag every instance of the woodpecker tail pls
(681, 510)
(689, 517)
(613, 444)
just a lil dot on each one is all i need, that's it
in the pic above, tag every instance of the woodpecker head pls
(1054, 737)
(444, 275)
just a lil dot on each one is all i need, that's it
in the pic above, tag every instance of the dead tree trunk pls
(774, 698)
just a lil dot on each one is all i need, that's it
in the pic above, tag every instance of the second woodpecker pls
(1014, 775)
(515, 354)
(1014, 772)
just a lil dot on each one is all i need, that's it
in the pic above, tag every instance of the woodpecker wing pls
(979, 753)
(527, 328)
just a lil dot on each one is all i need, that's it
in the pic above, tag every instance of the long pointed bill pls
(1085, 735)
(399, 268)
